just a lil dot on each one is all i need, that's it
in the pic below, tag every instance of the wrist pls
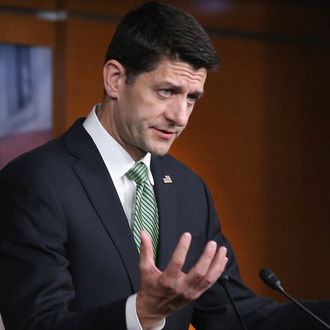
(148, 318)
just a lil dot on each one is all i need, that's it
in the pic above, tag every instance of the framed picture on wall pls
(25, 98)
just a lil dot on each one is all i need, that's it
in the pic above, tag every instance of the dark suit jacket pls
(67, 255)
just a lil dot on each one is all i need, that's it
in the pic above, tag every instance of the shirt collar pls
(117, 160)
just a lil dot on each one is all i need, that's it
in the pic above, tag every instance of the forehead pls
(176, 71)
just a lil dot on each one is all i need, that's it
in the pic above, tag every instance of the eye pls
(192, 98)
(166, 92)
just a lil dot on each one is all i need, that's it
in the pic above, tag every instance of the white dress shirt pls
(119, 162)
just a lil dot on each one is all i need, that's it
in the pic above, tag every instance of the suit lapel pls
(99, 187)
(167, 201)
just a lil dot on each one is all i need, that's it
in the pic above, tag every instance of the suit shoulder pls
(37, 154)
(41, 162)
(48, 156)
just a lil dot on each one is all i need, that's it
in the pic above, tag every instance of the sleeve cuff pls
(132, 320)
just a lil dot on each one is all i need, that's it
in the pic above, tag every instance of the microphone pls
(223, 280)
(270, 279)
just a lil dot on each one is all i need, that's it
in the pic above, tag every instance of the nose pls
(178, 112)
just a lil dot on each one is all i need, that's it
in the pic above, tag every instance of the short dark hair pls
(154, 31)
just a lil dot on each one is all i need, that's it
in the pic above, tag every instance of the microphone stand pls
(305, 309)
(224, 283)
(270, 279)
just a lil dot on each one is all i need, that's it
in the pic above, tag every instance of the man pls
(77, 248)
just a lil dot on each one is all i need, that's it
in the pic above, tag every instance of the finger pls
(146, 251)
(201, 268)
(198, 281)
(217, 266)
(179, 256)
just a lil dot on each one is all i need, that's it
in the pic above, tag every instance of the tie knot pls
(138, 173)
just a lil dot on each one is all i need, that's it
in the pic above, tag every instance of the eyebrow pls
(170, 85)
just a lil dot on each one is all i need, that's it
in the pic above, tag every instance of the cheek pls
(144, 112)
(148, 114)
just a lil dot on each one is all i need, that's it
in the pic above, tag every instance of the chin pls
(159, 151)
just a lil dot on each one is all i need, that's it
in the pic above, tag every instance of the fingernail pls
(213, 244)
(186, 235)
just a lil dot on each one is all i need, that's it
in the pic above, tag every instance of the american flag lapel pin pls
(167, 179)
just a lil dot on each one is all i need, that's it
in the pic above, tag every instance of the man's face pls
(153, 110)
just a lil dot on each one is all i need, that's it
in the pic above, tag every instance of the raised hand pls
(161, 293)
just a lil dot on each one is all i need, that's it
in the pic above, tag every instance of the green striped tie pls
(146, 212)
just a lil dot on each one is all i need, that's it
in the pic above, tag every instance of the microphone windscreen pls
(269, 277)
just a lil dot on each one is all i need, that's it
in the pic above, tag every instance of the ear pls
(114, 76)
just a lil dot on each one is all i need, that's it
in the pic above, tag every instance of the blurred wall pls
(259, 137)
